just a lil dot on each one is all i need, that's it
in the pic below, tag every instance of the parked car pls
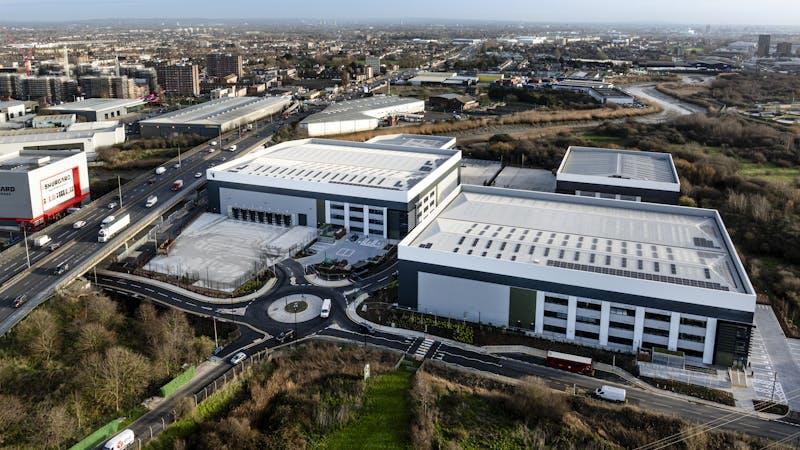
(79, 224)
(284, 336)
(112, 205)
(237, 358)
(353, 238)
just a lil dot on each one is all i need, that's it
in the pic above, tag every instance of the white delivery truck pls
(122, 440)
(41, 241)
(610, 393)
(110, 229)
(325, 311)
(151, 201)
(160, 170)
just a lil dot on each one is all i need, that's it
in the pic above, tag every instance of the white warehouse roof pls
(599, 242)
(220, 111)
(631, 168)
(97, 104)
(363, 108)
(341, 167)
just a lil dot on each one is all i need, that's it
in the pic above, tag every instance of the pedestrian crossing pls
(765, 383)
(423, 349)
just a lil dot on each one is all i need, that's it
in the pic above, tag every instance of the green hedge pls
(176, 383)
(101, 434)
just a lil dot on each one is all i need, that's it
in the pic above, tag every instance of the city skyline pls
(736, 12)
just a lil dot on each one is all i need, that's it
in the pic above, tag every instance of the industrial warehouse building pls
(359, 115)
(212, 118)
(36, 186)
(599, 272)
(88, 136)
(375, 189)
(98, 109)
(619, 174)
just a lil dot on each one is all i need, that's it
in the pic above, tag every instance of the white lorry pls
(41, 241)
(160, 170)
(151, 201)
(122, 440)
(108, 230)
(610, 393)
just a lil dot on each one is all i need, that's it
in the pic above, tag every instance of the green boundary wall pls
(176, 383)
(99, 435)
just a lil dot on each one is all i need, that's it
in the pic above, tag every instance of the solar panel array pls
(680, 251)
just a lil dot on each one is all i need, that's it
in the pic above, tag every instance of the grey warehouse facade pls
(374, 189)
(599, 272)
(620, 174)
(212, 118)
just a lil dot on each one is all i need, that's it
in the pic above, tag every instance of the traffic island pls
(295, 308)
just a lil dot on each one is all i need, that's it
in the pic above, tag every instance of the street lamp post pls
(25, 238)
(119, 190)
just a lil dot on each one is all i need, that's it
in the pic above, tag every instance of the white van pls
(326, 308)
(123, 440)
(610, 393)
(160, 170)
(151, 201)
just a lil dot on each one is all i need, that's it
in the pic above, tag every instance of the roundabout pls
(295, 308)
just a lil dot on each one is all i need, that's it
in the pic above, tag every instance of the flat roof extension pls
(415, 140)
(629, 168)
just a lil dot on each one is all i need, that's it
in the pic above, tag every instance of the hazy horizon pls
(713, 12)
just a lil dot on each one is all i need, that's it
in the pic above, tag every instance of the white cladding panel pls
(460, 298)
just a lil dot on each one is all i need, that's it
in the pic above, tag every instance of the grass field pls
(384, 422)
(770, 173)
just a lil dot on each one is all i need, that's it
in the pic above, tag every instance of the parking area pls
(221, 253)
(528, 179)
(478, 171)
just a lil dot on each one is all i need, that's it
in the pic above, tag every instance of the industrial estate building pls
(359, 115)
(97, 109)
(11, 109)
(608, 273)
(372, 188)
(620, 174)
(36, 186)
(88, 137)
(214, 117)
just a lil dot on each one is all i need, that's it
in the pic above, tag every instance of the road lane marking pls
(471, 359)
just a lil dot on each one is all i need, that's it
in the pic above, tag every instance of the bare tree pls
(117, 376)
(40, 334)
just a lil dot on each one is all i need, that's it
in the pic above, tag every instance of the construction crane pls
(25, 53)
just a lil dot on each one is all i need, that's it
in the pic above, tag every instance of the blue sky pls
(753, 12)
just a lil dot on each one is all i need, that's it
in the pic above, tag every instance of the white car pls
(79, 224)
(112, 205)
(198, 174)
(177, 166)
(237, 358)
(213, 142)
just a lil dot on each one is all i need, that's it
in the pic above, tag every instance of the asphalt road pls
(79, 245)
(339, 326)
